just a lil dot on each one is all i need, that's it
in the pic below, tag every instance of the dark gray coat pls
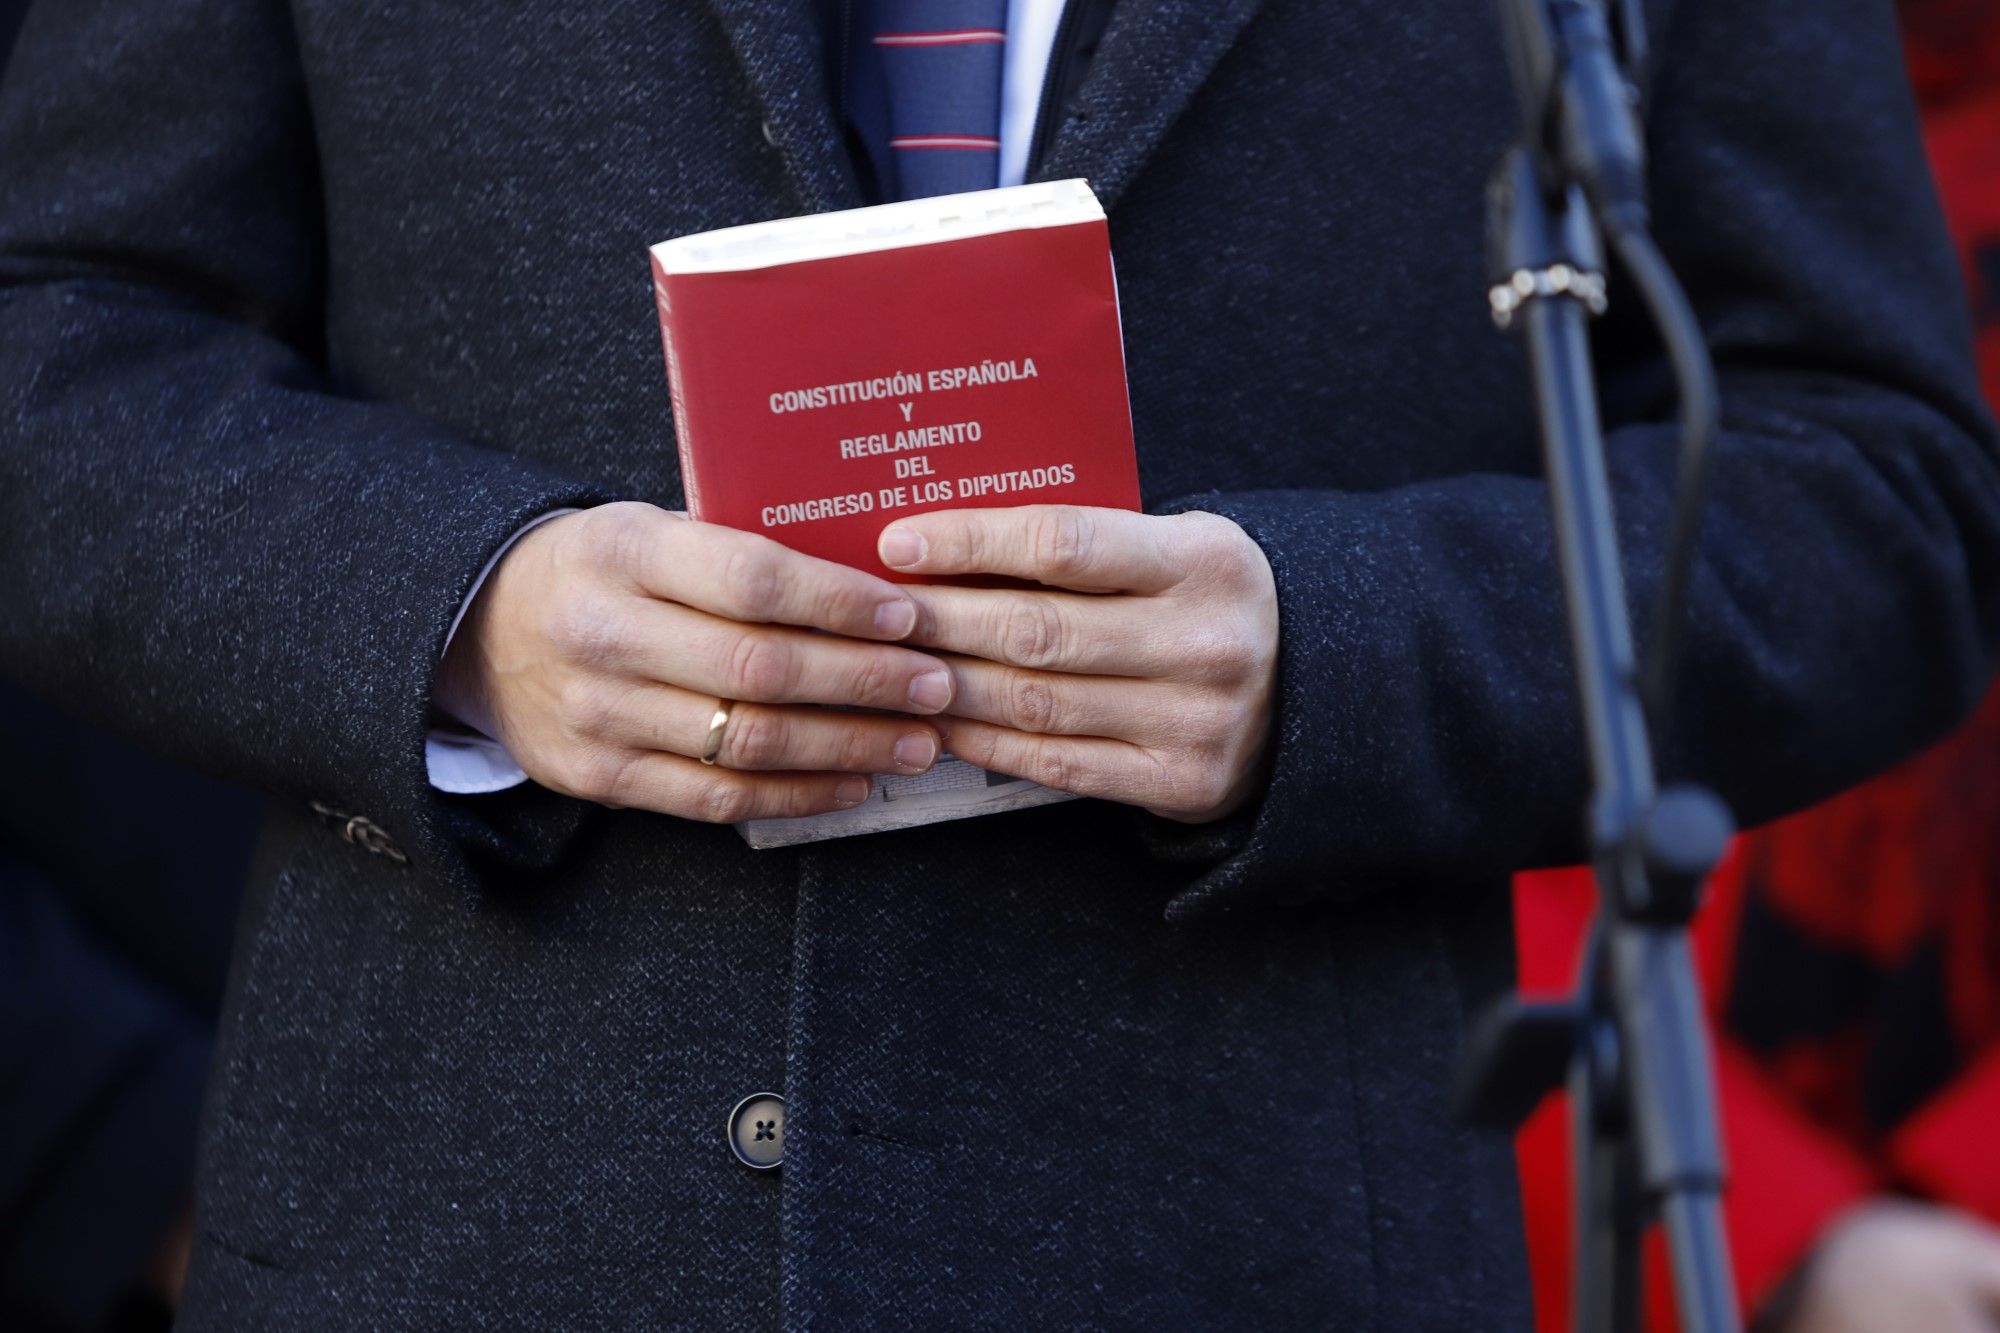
(304, 307)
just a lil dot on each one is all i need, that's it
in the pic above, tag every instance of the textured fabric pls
(284, 357)
(923, 92)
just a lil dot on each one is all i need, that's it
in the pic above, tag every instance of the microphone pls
(1579, 110)
(1647, 1142)
(1575, 66)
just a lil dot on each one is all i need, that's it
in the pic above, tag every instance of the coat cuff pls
(1281, 846)
(387, 804)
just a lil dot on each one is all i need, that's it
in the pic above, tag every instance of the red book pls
(831, 373)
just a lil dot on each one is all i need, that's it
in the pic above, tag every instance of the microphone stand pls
(1630, 1041)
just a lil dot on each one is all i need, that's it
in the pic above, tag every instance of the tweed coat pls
(306, 305)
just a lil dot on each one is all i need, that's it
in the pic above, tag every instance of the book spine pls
(676, 389)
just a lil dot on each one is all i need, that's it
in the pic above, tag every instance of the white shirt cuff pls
(463, 761)
(466, 763)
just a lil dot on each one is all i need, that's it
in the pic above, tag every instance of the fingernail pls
(930, 691)
(943, 725)
(895, 619)
(851, 791)
(916, 751)
(901, 548)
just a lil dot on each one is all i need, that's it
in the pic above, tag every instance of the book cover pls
(830, 373)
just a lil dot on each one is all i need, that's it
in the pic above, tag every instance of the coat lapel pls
(780, 45)
(1154, 56)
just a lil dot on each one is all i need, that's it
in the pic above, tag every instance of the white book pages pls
(952, 789)
(856, 231)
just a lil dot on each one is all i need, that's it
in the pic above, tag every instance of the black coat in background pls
(304, 308)
(119, 879)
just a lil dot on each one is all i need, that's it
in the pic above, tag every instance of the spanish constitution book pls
(831, 373)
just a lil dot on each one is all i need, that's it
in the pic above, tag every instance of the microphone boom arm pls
(1630, 1042)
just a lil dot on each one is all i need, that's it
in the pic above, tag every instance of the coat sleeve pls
(203, 543)
(1844, 608)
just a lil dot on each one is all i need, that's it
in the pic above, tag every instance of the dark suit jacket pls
(305, 307)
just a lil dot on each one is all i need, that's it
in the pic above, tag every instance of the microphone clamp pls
(1546, 283)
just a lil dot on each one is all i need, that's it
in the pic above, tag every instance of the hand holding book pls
(832, 372)
(598, 648)
(1142, 671)
(1133, 659)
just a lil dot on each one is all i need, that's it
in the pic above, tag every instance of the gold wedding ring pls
(716, 726)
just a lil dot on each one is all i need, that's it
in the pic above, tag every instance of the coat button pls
(757, 1131)
(361, 831)
(369, 836)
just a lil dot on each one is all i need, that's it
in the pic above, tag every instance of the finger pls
(1064, 546)
(1086, 765)
(1050, 631)
(672, 784)
(775, 664)
(745, 577)
(759, 737)
(1044, 703)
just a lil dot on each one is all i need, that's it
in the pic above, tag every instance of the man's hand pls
(598, 648)
(1891, 1267)
(1143, 673)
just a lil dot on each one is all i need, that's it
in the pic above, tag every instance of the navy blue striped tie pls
(923, 92)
